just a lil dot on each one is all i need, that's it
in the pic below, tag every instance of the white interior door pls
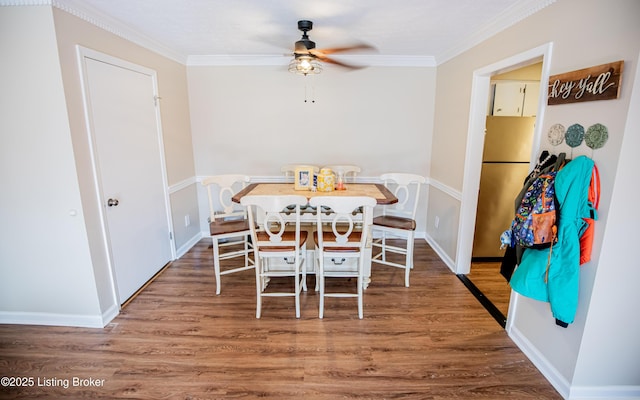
(121, 103)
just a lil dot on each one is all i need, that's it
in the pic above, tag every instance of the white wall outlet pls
(436, 222)
(187, 220)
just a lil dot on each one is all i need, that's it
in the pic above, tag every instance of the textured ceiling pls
(432, 30)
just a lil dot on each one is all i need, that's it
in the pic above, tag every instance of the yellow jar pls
(326, 180)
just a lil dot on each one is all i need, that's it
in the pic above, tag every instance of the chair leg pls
(408, 260)
(264, 267)
(258, 267)
(360, 297)
(383, 247)
(246, 251)
(411, 245)
(297, 287)
(216, 263)
(320, 278)
(303, 265)
(316, 271)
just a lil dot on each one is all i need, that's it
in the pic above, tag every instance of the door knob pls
(112, 202)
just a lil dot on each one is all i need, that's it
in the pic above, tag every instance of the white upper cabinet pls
(515, 99)
(508, 99)
(531, 96)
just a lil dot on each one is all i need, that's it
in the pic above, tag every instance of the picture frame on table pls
(303, 178)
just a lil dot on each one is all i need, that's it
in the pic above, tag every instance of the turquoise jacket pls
(561, 287)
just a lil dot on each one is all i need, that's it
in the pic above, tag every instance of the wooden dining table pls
(378, 191)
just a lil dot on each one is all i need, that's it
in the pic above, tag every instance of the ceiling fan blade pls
(306, 48)
(328, 60)
(333, 50)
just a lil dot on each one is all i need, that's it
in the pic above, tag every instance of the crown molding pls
(89, 14)
(504, 20)
(11, 3)
(238, 60)
(509, 17)
(79, 9)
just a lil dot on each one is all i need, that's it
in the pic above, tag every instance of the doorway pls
(126, 140)
(482, 274)
(508, 142)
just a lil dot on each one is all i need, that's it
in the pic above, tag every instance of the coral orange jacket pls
(586, 240)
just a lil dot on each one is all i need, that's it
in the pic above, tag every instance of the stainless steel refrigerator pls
(505, 165)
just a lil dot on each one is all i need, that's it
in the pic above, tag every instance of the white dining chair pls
(349, 172)
(228, 226)
(398, 221)
(340, 248)
(278, 252)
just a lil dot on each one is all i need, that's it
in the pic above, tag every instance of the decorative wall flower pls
(556, 134)
(596, 136)
(574, 135)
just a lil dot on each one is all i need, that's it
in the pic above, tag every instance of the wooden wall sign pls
(601, 82)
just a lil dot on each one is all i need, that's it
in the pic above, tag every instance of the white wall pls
(253, 120)
(613, 323)
(54, 266)
(44, 253)
(174, 111)
(583, 33)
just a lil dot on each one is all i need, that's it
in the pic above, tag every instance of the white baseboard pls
(189, 244)
(52, 319)
(110, 314)
(604, 392)
(440, 252)
(552, 374)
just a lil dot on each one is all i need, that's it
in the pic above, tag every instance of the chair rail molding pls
(184, 184)
(456, 194)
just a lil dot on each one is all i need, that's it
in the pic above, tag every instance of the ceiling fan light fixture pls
(305, 65)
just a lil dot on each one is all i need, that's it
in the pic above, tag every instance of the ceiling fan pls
(306, 56)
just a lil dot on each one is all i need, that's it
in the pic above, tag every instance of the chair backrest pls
(343, 220)
(349, 172)
(273, 222)
(289, 170)
(221, 206)
(406, 187)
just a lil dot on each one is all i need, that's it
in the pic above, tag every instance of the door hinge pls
(155, 100)
(171, 235)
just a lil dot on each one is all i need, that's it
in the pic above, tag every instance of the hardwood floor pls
(178, 340)
(486, 276)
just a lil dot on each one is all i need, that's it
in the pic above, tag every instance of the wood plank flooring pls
(486, 276)
(178, 340)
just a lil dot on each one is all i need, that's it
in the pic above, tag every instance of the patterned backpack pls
(535, 223)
